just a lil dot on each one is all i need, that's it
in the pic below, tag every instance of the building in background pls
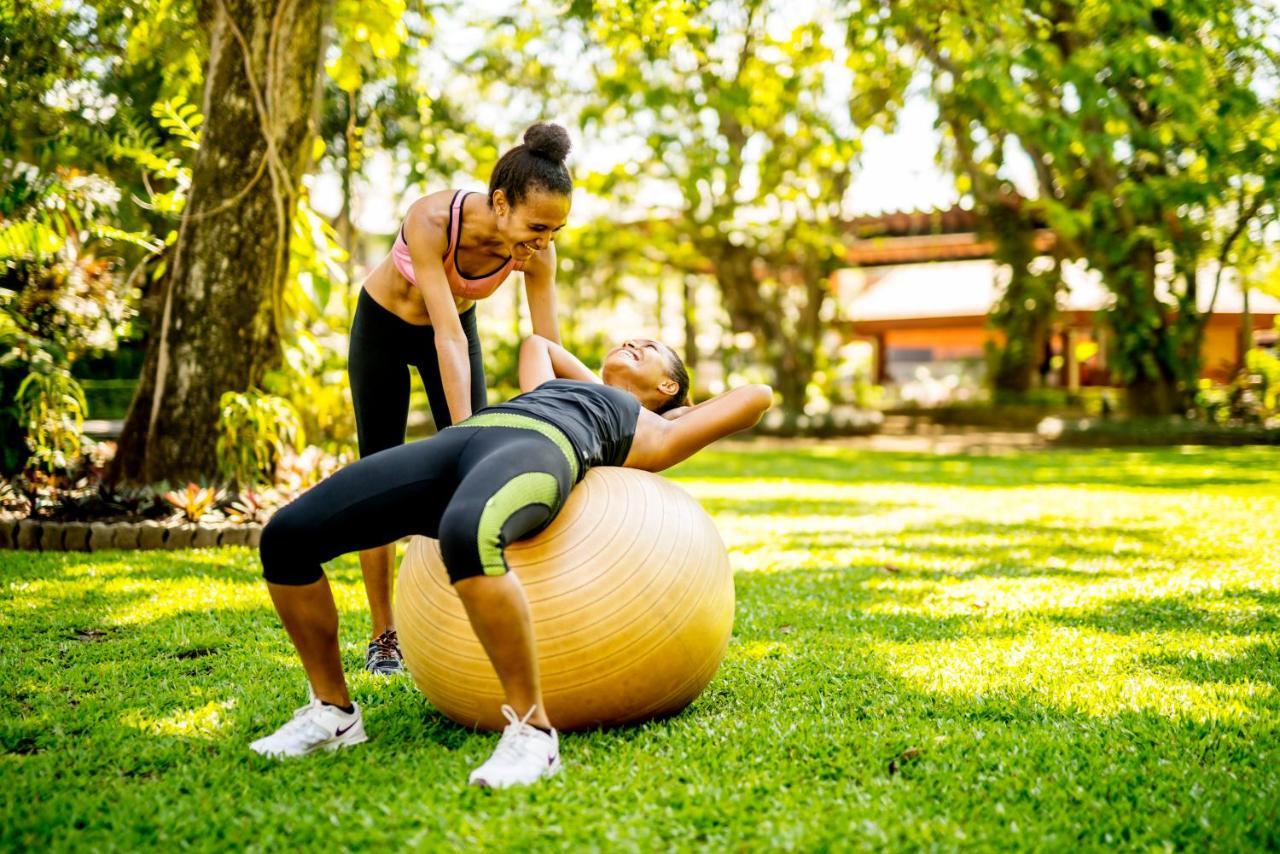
(925, 284)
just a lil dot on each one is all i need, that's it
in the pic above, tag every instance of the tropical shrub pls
(254, 431)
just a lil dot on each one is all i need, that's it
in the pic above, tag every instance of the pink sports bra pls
(462, 285)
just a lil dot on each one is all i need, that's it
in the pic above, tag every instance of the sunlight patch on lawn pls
(756, 650)
(1188, 594)
(201, 722)
(153, 600)
(1087, 670)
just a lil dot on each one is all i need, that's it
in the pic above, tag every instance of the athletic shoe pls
(383, 656)
(315, 726)
(524, 755)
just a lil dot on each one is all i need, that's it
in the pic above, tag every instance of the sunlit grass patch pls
(1078, 669)
(1056, 650)
(201, 722)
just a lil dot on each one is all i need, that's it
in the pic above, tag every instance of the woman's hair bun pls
(549, 140)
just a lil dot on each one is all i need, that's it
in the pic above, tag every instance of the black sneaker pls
(383, 656)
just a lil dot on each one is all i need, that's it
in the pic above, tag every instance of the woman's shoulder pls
(430, 216)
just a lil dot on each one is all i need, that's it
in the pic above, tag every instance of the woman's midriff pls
(393, 292)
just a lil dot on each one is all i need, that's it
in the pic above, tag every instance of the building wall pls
(1221, 351)
(957, 342)
(907, 345)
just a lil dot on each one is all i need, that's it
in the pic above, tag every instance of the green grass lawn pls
(1053, 650)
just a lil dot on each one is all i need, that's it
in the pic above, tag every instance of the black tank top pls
(599, 420)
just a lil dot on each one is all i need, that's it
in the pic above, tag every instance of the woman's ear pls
(499, 202)
(669, 387)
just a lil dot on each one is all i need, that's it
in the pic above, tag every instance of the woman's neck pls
(480, 226)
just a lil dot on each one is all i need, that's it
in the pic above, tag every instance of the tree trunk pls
(218, 327)
(787, 347)
(1245, 343)
(1147, 352)
(1024, 315)
(690, 305)
(1152, 397)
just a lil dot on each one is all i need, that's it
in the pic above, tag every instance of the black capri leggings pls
(381, 350)
(494, 479)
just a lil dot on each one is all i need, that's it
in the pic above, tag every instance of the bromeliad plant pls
(252, 506)
(194, 503)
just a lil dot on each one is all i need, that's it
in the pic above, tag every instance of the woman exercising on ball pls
(495, 478)
(418, 308)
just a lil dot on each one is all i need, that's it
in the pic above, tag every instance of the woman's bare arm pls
(695, 427)
(426, 248)
(540, 290)
(542, 360)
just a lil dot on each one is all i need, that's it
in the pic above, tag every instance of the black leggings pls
(494, 479)
(382, 348)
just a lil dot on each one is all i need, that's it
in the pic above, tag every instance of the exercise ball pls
(632, 603)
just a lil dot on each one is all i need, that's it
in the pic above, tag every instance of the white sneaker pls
(315, 726)
(525, 754)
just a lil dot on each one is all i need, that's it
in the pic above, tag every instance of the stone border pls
(33, 535)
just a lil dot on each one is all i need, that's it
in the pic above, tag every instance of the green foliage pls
(313, 377)
(52, 409)
(732, 100)
(1157, 431)
(254, 431)
(372, 35)
(723, 112)
(1153, 133)
(181, 119)
(1251, 398)
(60, 299)
(81, 80)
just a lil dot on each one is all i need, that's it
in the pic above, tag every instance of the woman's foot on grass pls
(315, 726)
(383, 655)
(525, 754)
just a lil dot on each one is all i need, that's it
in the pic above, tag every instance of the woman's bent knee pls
(287, 552)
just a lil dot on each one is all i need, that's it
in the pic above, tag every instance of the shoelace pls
(518, 736)
(385, 644)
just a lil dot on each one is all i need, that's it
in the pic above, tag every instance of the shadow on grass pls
(1255, 663)
(1131, 615)
(1006, 550)
(1146, 469)
(793, 506)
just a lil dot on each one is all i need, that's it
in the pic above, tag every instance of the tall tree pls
(1153, 129)
(1023, 315)
(731, 105)
(218, 329)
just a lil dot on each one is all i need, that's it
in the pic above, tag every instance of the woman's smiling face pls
(532, 225)
(642, 366)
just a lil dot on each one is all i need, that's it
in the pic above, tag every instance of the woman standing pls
(417, 308)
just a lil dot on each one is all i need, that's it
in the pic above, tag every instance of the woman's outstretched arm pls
(694, 427)
(540, 291)
(542, 360)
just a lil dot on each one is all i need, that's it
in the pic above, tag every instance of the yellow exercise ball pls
(632, 601)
